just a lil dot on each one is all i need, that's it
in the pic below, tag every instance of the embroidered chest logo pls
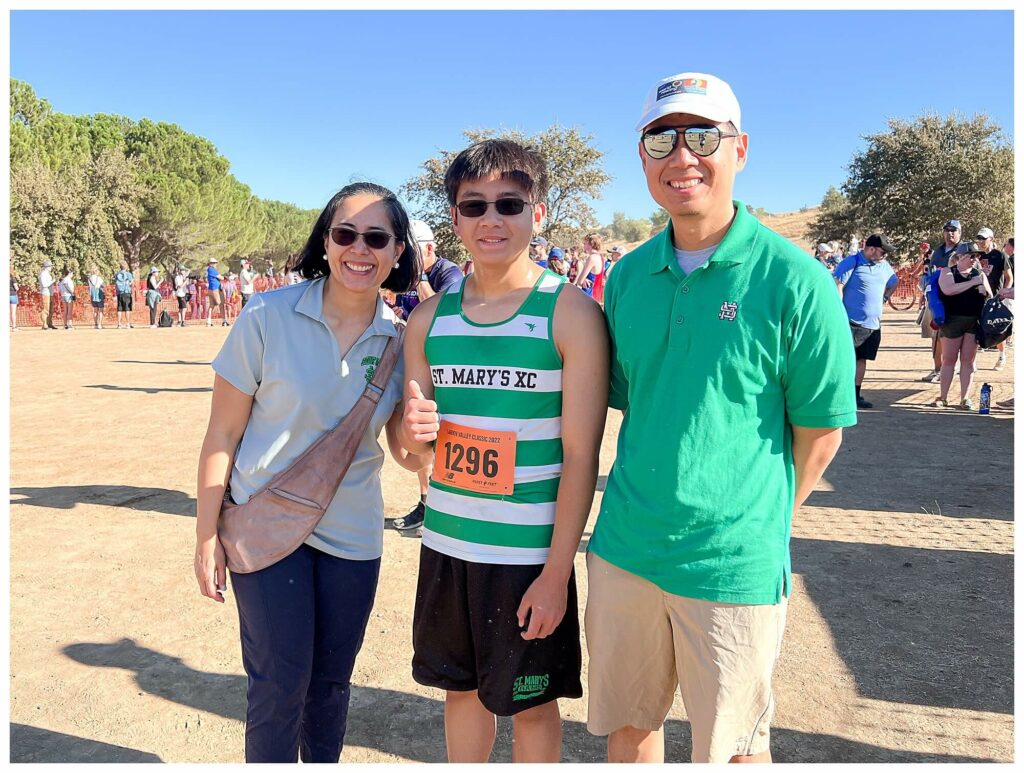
(728, 311)
(370, 363)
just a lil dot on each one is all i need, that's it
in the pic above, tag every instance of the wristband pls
(423, 277)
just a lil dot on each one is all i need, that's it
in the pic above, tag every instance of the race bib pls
(481, 460)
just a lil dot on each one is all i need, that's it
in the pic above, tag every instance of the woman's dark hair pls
(310, 262)
(521, 164)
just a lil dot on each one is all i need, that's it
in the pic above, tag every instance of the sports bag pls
(278, 518)
(165, 320)
(995, 324)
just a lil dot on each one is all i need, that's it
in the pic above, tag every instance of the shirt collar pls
(311, 303)
(735, 247)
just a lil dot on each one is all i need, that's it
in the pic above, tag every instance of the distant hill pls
(791, 225)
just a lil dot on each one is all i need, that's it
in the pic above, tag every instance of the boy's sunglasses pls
(506, 206)
(344, 236)
(700, 140)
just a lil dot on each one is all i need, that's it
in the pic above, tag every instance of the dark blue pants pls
(302, 622)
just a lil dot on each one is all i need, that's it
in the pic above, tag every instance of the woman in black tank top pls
(963, 288)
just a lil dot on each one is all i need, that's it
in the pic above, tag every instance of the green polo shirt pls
(711, 370)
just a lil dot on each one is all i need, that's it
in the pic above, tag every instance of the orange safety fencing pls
(907, 291)
(30, 303)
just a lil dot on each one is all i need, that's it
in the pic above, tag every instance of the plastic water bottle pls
(986, 398)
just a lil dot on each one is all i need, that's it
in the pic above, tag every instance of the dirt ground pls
(899, 646)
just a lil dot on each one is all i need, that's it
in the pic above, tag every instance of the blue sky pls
(300, 103)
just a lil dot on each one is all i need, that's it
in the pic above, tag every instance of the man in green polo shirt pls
(733, 364)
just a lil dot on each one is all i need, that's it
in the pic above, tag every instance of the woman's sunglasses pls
(478, 207)
(701, 140)
(344, 236)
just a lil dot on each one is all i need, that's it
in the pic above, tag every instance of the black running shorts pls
(124, 302)
(466, 635)
(868, 348)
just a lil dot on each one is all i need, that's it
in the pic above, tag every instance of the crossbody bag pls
(279, 517)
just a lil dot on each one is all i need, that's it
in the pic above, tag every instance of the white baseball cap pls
(985, 233)
(421, 231)
(691, 92)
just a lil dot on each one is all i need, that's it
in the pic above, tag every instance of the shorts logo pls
(683, 86)
(728, 311)
(370, 363)
(526, 687)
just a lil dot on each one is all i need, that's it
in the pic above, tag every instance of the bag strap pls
(311, 480)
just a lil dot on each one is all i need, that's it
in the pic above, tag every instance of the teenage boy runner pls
(515, 466)
(733, 363)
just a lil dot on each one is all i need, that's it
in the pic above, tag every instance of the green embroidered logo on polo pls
(498, 377)
(526, 687)
(370, 363)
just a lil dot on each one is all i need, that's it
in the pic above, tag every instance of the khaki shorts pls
(214, 297)
(642, 641)
(927, 331)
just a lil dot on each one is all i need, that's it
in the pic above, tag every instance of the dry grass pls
(791, 225)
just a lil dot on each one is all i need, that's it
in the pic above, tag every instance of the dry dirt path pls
(898, 648)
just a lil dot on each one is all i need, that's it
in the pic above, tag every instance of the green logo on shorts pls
(526, 687)
(372, 362)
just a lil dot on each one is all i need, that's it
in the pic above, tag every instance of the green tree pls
(659, 219)
(918, 174)
(288, 228)
(835, 219)
(628, 229)
(575, 176)
(191, 207)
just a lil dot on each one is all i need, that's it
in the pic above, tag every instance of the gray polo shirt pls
(282, 352)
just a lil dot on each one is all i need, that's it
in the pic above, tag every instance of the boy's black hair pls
(311, 262)
(523, 165)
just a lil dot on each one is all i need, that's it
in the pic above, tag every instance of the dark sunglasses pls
(700, 140)
(478, 207)
(344, 236)
(951, 230)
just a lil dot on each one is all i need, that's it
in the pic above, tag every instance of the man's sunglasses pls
(700, 140)
(951, 230)
(344, 236)
(478, 207)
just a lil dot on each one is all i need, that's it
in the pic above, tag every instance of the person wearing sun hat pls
(963, 287)
(733, 364)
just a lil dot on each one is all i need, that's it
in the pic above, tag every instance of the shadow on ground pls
(981, 487)
(148, 390)
(163, 362)
(411, 727)
(157, 500)
(33, 744)
(910, 629)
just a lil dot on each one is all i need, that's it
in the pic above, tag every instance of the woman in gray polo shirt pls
(294, 364)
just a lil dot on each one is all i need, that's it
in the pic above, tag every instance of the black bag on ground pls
(165, 319)
(995, 323)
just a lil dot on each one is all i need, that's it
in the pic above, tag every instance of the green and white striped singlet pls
(499, 376)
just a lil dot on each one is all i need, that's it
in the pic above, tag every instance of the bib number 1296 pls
(474, 459)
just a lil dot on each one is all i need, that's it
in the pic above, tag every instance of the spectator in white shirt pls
(46, 283)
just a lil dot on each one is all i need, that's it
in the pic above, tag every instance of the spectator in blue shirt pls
(123, 282)
(866, 280)
(213, 294)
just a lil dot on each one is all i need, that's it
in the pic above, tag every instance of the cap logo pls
(683, 86)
